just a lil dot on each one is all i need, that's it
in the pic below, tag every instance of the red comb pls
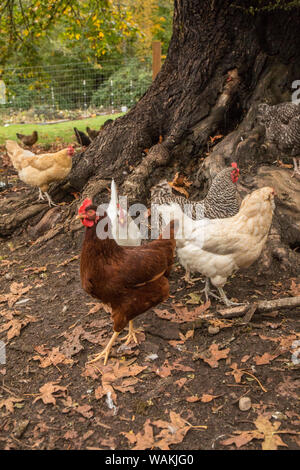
(85, 204)
(234, 165)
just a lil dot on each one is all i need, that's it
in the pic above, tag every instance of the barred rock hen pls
(219, 247)
(282, 125)
(130, 280)
(220, 201)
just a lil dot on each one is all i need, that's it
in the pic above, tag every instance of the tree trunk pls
(221, 62)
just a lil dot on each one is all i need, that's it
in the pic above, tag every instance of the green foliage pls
(125, 86)
(88, 28)
(268, 5)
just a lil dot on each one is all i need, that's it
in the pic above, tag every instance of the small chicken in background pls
(28, 140)
(282, 125)
(92, 133)
(124, 230)
(131, 280)
(40, 170)
(217, 248)
(82, 138)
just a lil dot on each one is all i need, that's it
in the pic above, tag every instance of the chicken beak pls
(80, 217)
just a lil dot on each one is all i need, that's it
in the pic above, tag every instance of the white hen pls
(217, 248)
(124, 230)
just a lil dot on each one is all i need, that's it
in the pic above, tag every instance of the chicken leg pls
(50, 202)
(106, 350)
(131, 334)
(296, 166)
(41, 197)
(225, 299)
(208, 292)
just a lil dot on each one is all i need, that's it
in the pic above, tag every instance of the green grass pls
(49, 133)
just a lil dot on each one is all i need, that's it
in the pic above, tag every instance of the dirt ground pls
(180, 388)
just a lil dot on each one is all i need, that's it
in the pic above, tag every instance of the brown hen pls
(130, 280)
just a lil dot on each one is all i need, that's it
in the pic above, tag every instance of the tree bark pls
(221, 62)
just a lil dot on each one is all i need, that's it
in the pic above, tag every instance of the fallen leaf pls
(8, 403)
(47, 393)
(212, 355)
(173, 432)
(53, 357)
(266, 358)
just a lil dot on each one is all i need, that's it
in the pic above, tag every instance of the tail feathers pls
(114, 193)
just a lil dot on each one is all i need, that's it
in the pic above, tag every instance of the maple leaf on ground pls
(268, 429)
(242, 438)
(16, 291)
(14, 326)
(265, 430)
(8, 403)
(205, 398)
(85, 410)
(47, 393)
(119, 377)
(266, 358)
(182, 313)
(53, 357)
(173, 432)
(212, 355)
(236, 372)
(144, 440)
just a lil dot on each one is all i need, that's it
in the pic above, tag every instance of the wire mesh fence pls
(68, 90)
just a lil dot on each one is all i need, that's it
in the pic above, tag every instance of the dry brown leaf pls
(182, 313)
(242, 438)
(268, 429)
(53, 357)
(266, 358)
(180, 382)
(8, 403)
(236, 372)
(295, 289)
(47, 393)
(14, 326)
(173, 432)
(144, 440)
(37, 269)
(212, 355)
(85, 410)
(16, 291)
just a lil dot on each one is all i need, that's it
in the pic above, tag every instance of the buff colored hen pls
(219, 247)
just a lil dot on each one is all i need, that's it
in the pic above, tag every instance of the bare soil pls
(52, 329)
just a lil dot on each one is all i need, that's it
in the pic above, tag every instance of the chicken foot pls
(225, 299)
(131, 334)
(208, 292)
(296, 166)
(188, 280)
(106, 350)
(50, 202)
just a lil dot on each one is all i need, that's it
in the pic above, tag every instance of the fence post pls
(156, 58)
